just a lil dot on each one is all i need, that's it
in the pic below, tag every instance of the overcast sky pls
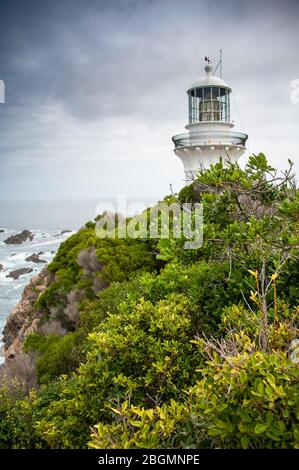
(95, 89)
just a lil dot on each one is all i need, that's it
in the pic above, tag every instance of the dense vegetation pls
(172, 348)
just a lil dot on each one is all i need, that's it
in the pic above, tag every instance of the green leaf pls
(243, 377)
(260, 428)
(244, 442)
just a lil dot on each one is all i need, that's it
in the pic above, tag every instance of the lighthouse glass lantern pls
(209, 104)
(210, 135)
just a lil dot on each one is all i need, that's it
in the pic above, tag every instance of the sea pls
(47, 220)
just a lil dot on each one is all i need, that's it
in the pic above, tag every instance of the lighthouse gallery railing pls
(191, 139)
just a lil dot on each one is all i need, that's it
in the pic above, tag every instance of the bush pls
(255, 404)
(142, 352)
(177, 348)
(168, 426)
(16, 418)
(56, 355)
(124, 258)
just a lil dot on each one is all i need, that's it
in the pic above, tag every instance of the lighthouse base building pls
(210, 133)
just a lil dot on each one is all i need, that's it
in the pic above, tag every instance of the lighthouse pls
(210, 133)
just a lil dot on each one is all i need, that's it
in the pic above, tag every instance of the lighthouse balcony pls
(210, 138)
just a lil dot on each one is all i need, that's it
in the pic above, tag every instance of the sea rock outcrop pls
(19, 238)
(19, 272)
(1, 267)
(63, 232)
(35, 258)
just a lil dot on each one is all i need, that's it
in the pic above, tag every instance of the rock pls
(88, 260)
(19, 238)
(1, 267)
(40, 289)
(23, 318)
(34, 258)
(19, 272)
(1, 230)
(71, 311)
(62, 233)
(13, 254)
(53, 252)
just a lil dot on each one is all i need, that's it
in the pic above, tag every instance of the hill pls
(129, 343)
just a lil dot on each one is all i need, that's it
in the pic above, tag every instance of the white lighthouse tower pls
(210, 133)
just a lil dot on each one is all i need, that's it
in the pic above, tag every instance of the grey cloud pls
(92, 83)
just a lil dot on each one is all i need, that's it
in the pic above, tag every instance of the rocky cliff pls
(27, 318)
(24, 319)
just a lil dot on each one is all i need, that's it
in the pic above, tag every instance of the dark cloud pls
(103, 81)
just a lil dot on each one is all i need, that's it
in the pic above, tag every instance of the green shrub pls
(56, 355)
(124, 258)
(168, 426)
(143, 352)
(169, 340)
(253, 404)
(16, 418)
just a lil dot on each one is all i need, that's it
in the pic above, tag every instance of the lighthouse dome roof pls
(209, 80)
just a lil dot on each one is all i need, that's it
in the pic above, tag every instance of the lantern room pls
(209, 99)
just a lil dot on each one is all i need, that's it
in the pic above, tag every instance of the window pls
(209, 104)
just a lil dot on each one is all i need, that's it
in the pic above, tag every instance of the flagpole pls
(220, 63)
